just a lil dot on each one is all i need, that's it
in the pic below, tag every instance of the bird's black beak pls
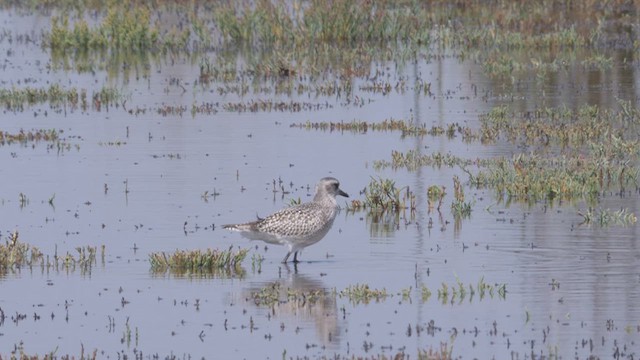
(340, 192)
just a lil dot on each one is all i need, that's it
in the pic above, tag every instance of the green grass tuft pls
(210, 260)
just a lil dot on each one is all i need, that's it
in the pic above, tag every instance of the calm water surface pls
(572, 290)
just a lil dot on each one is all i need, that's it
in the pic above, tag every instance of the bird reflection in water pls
(297, 300)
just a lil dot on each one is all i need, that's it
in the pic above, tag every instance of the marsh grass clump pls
(560, 126)
(19, 99)
(503, 37)
(458, 292)
(435, 194)
(121, 38)
(211, 260)
(84, 259)
(121, 29)
(577, 154)
(275, 294)
(348, 22)
(19, 353)
(32, 137)
(532, 177)
(444, 352)
(406, 127)
(382, 195)
(24, 137)
(459, 207)
(362, 293)
(413, 160)
(15, 254)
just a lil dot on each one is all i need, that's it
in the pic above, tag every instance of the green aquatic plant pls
(17, 99)
(14, 254)
(459, 207)
(435, 194)
(382, 195)
(274, 293)
(532, 177)
(458, 292)
(84, 259)
(413, 160)
(24, 137)
(120, 30)
(362, 293)
(406, 127)
(579, 153)
(197, 260)
(274, 24)
(425, 293)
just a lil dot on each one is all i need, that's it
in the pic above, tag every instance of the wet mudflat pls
(493, 181)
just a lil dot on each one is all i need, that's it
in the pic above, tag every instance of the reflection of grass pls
(606, 217)
(182, 261)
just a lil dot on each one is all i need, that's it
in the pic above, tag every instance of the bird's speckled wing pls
(296, 221)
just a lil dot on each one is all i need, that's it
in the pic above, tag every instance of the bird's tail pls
(240, 227)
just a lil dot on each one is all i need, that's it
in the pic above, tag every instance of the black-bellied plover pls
(297, 226)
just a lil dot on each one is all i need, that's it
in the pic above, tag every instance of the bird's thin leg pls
(295, 257)
(286, 257)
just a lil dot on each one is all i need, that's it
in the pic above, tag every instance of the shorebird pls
(297, 226)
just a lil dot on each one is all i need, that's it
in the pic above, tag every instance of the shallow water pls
(134, 183)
